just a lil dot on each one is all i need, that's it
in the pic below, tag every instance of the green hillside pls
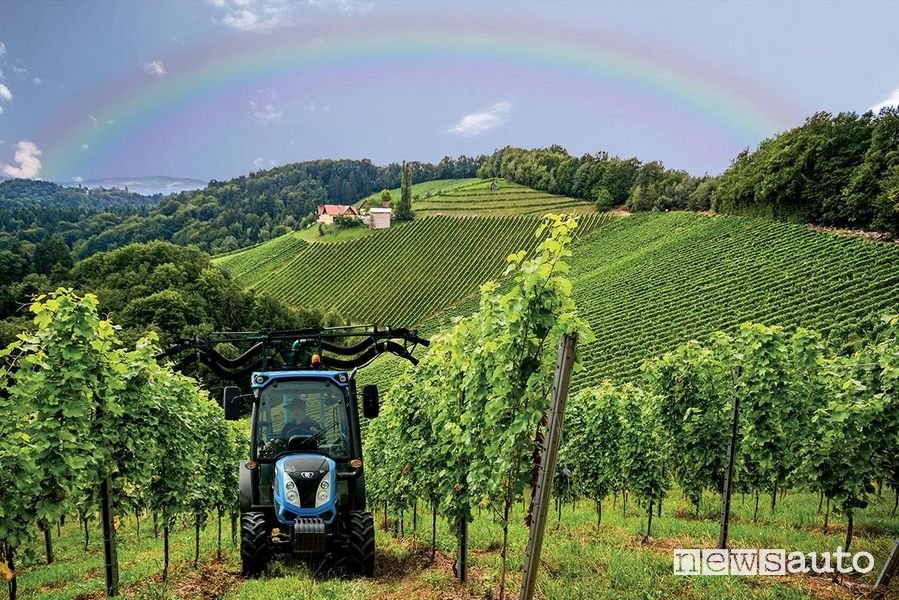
(646, 282)
(467, 197)
(651, 281)
(397, 276)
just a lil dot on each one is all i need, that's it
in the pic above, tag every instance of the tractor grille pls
(309, 535)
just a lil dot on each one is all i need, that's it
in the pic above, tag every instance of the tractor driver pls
(297, 423)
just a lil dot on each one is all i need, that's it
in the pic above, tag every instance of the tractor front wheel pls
(254, 550)
(361, 553)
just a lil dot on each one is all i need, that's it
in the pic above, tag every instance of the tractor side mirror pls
(370, 407)
(231, 403)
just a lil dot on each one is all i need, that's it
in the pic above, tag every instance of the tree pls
(51, 253)
(403, 211)
(604, 199)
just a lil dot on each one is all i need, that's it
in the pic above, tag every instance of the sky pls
(214, 89)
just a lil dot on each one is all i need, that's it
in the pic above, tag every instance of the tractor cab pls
(302, 489)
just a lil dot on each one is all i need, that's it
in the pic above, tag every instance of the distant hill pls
(398, 276)
(33, 210)
(494, 197)
(24, 193)
(228, 215)
(148, 186)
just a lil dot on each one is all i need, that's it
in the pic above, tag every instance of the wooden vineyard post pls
(542, 494)
(731, 456)
(109, 541)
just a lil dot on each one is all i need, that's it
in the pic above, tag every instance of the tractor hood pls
(305, 485)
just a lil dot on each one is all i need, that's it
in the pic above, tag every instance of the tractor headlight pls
(292, 497)
(290, 485)
(324, 493)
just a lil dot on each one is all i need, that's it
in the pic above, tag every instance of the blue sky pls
(71, 75)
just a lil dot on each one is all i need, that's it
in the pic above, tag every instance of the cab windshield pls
(302, 416)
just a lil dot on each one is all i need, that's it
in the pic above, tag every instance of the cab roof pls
(260, 379)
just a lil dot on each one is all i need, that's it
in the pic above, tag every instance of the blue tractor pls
(302, 489)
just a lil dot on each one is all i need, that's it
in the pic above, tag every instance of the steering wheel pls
(306, 428)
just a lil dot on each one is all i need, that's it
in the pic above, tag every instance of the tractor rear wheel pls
(254, 550)
(360, 557)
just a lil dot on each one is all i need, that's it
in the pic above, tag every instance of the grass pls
(579, 560)
(333, 233)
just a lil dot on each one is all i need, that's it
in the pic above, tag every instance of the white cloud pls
(37, 81)
(477, 123)
(155, 67)
(5, 96)
(347, 7)
(86, 146)
(266, 114)
(77, 179)
(892, 100)
(2, 48)
(260, 16)
(19, 70)
(28, 158)
(245, 20)
(261, 163)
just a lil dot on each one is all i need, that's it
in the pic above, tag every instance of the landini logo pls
(768, 561)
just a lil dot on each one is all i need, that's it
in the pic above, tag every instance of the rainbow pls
(713, 109)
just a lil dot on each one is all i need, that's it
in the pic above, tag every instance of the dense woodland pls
(609, 181)
(835, 170)
(838, 170)
(173, 290)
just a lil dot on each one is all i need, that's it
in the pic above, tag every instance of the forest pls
(834, 170)
(171, 290)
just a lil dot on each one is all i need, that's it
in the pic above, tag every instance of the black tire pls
(254, 550)
(360, 558)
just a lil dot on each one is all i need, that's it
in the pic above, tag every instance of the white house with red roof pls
(327, 212)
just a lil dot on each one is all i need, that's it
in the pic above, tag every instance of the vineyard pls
(89, 422)
(648, 282)
(470, 197)
(458, 433)
(399, 276)
(643, 465)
